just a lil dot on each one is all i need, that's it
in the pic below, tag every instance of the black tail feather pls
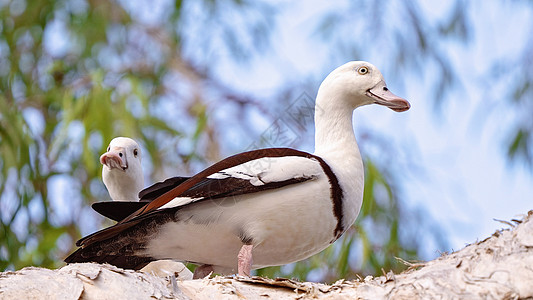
(117, 210)
(122, 261)
(127, 248)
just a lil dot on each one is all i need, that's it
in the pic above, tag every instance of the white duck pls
(122, 172)
(123, 177)
(260, 208)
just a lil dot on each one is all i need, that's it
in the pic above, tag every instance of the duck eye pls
(108, 148)
(120, 154)
(135, 152)
(362, 70)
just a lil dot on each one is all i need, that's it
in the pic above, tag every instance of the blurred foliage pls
(76, 73)
(62, 105)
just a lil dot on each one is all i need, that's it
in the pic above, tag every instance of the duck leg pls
(245, 260)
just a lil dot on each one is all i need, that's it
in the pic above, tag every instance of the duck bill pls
(112, 160)
(381, 95)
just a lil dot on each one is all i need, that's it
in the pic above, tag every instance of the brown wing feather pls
(157, 189)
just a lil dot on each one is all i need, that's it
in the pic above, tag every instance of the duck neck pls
(123, 186)
(334, 134)
(335, 143)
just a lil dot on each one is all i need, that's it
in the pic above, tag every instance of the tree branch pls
(499, 267)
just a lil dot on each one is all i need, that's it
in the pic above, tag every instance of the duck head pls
(360, 83)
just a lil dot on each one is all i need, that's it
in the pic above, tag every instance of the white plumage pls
(122, 170)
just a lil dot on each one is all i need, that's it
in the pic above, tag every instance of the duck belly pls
(284, 225)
